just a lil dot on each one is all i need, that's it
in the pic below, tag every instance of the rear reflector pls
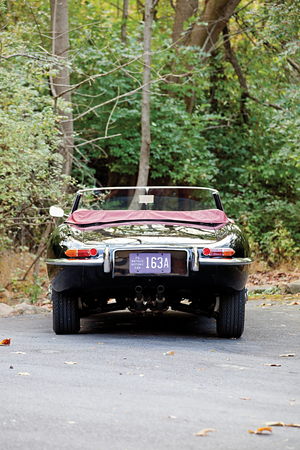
(81, 253)
(222, 252)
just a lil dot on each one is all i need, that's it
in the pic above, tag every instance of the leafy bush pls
(30, 166)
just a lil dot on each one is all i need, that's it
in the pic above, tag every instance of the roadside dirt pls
(274, 277)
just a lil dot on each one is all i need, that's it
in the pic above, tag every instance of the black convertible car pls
(148, 249)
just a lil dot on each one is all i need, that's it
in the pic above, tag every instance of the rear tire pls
(65, 313)
(231, 317)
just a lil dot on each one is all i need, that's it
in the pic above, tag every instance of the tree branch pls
(233, 60)
(245, 93)
(294, 64)
(95, 77)
(120, 9)
(97, 139)
(127, 94)
(271, 105)
(36, 22)
(111, 113)
(30, 267)
(242, 80)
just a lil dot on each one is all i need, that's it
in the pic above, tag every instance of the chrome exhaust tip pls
(139, 298)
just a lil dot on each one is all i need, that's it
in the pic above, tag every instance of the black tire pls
(231, 317)
(65, 313)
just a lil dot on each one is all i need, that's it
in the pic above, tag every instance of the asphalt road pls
(125, 393)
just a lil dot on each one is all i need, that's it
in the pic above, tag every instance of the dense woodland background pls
(224, 112)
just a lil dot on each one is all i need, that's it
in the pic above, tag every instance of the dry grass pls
(261, 273)
(13, 267)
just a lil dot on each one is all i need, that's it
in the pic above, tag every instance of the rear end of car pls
(149, 259)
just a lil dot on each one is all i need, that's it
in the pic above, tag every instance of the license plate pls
(150, 263)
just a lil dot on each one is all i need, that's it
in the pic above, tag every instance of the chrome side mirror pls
(55, 211)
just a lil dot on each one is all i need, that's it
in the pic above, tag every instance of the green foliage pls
(252, 158)
(30, 166)
(35, 288)
(279, 244)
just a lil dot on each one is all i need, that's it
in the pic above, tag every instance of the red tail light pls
(81, 253)
(222, 252)
(93, 252)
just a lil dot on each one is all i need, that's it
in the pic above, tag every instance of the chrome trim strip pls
(75, 262)
(147, 187)
(225, 261)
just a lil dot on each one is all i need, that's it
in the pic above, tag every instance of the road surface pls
(126, 392)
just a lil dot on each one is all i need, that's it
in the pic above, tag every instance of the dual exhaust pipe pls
(140, 299)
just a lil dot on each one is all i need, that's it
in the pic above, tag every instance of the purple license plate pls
(150, 263)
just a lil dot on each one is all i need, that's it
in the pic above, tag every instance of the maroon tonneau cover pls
(100, 219)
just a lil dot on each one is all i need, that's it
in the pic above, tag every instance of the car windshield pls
(148, 198)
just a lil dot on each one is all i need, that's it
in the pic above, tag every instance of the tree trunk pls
(41, 247)
(146, 138)
(143, 172)
(235, 64)
(183, 11)
(59, 84)
(124, 21)
(216, 14)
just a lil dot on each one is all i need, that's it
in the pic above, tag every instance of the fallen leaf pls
(294, 303)
(5, 342)
(213, 351)
(23, 373)
(275, 365)
(282, 424)
(245, 398)
(19, 353)
(169, 353)
(261, 430)
(100, 343)
(201, 369)
(204, 432)
(70, 362)
(288, 355)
